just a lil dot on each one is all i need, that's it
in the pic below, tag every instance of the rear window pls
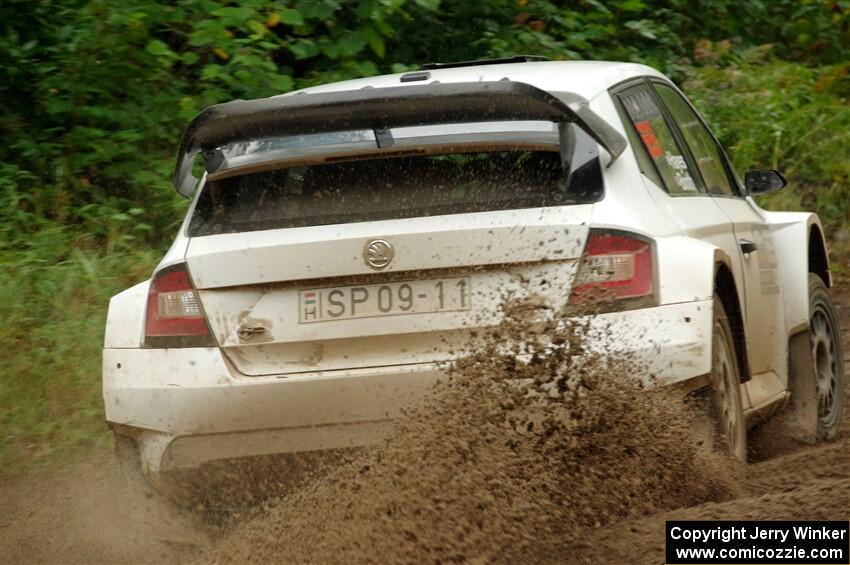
(410, 186)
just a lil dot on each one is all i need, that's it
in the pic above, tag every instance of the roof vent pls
(514, 59)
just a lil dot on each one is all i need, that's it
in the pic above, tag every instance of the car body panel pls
(317, 252)
(125, 319)
(762, 302)
(289, 346)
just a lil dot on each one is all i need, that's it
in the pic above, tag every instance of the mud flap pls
(802, 416)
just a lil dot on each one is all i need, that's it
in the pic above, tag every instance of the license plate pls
(389, 299)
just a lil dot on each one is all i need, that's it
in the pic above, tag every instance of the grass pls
(54, 301)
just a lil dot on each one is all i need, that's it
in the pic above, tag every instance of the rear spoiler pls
(383, 108)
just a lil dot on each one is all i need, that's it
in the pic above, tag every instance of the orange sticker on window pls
(647, 135)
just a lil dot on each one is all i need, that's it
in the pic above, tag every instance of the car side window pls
(704, 149)
(658, 140)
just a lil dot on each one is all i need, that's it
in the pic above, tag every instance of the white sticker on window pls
(680, 167)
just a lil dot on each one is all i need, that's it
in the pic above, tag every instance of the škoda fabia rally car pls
(344, 238)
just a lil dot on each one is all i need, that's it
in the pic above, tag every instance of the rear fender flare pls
(688, 270)
(125, 320)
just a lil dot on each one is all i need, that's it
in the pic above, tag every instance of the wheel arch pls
(818, 257)
(726, 288)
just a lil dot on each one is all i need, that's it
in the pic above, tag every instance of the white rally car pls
(345, 239)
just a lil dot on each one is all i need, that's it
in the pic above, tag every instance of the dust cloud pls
(531, 438)
(84, 513)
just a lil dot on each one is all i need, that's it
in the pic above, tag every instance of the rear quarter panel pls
(126, 317)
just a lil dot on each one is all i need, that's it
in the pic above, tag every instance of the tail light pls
(175, 317)
(616, 272)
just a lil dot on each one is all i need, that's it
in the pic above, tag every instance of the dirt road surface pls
(575, 486)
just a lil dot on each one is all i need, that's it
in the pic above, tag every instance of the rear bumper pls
(188, 406)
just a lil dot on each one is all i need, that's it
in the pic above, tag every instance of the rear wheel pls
(828, 358)
(725, 392)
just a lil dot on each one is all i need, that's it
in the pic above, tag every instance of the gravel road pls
(485, 473)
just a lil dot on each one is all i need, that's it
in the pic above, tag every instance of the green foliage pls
(95, 94)
(785, 116)
(55, 288)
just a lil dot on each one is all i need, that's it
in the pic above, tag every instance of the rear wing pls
(381, 109)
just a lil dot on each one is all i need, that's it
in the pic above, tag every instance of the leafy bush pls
(785, 116)
(55, 290)
(96, 91)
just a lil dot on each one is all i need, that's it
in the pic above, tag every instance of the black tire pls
(828, 358)
(725, 390)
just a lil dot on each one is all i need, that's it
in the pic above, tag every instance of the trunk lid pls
(254, 285)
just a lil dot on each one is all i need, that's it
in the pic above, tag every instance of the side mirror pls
(762, 182)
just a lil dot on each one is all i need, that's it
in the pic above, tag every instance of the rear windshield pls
(391, 188)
